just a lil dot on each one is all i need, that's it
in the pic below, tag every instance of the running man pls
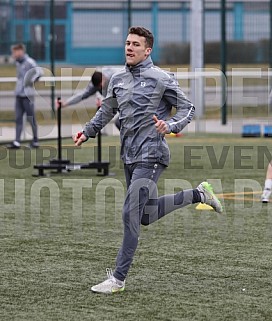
(144, 96)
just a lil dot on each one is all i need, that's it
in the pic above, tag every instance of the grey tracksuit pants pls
(24, 105)
(142, 206)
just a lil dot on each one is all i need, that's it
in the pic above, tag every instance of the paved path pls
(7, 133)
(247, 96)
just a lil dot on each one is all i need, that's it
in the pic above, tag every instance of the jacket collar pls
(22, 59)
(147, 63)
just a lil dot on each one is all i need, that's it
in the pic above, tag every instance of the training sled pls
(60, 165)
(55, 166)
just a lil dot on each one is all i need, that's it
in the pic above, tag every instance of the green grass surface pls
(46, 117)
(191, 265)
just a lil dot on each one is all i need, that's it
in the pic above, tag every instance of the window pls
(37, 11)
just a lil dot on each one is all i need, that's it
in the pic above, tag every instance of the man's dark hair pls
(97, 78)
(143, 32)
(18, 46)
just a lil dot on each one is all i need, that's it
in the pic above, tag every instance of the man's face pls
(17, 54)
(136, 50)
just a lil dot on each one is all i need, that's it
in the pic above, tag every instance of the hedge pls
(237, 52)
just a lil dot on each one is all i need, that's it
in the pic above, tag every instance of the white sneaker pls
(109, 286)
(14, 145)
(208, 196)
(265, 196)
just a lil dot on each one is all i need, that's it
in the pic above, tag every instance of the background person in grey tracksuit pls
(27, 74)
(144, 96)
(94, 86)
(97, 86)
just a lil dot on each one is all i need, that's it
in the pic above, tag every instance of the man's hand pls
(60, 103)
(98, 102)
(161, 125)
(79, 138)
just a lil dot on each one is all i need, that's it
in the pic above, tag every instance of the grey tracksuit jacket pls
(91, 89)
(139, 92)
(27, 73)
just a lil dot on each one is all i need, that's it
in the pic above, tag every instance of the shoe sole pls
(112, 292)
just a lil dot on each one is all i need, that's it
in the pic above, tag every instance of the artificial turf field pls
(191, 265)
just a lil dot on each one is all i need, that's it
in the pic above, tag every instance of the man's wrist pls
(168, 129)
(85, 134)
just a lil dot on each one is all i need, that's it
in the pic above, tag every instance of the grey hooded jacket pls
(139, 92)
(27, 73)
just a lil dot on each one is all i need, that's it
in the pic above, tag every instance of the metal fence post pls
(129, 13)
(223, 58)
(270, 34)
(52, 52)
(196, 58)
